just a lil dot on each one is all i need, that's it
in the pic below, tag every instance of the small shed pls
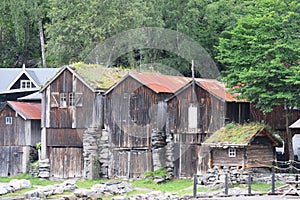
(244, 146)
(20, 131)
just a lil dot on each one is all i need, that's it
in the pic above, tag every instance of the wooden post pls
(226, 184)
(195, 186)
(297, 179)
(249, 183)
(273, 182)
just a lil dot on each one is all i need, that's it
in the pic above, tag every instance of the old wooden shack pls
(20, 128)
(72, 102)
(199, 109)
(136, 119)
(243, 146)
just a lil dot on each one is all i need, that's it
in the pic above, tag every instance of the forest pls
(255, 43)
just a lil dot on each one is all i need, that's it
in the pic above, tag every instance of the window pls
(63, 100)
(231, 152)
(8, 120)
(71, 99)
(26, 84)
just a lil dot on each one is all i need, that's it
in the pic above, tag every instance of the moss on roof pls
(239, 134)
(99, 76)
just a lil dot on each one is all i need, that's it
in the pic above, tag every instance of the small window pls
(71, 99)
(63, 100)
(26, 84)
(231, 152)
(8, 120)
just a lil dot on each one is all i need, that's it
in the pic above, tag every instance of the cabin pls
(20, 128)
(243, 146)
(135, 118)
(20, 82)
(72, 102)
(196, 111)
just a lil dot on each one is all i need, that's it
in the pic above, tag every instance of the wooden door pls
(66, 162)
(10, 160)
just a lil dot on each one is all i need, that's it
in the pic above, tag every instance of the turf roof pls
(99, 76)
(239, 134)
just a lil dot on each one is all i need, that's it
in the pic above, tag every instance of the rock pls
(25, 183)
(3, 190)
(15, 184)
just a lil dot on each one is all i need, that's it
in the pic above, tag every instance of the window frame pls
(72, 99)
(63, 100)
(8, 120)
(231, 152)
(24, 84)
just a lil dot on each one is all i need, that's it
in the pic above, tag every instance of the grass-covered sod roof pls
(236, 134)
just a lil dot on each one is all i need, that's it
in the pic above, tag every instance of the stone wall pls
(238, 176)
(96, 153)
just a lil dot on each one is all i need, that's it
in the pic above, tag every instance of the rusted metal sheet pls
(161, 83)
(217, 88)
(66, 162)
(26, 110)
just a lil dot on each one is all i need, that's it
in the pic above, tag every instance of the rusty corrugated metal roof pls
(160, 83)
(217, 88)
(26, 110)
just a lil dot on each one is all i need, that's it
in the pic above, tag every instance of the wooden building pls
(135, 118)
(244, 146)
(277, 121)
(20, 128)
(72, 102)
(197, 110)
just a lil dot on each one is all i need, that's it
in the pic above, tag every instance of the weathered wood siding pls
(64, 137)
(276, 118)
(131, 114)
(11, 160)
(260, 156)
(78, 116)
(210, 111)
(131, 163)
(220, 157)
(185, 159)
(66, 162)
(21, 132)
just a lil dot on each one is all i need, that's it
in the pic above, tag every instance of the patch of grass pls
(87, 184)
(33, 180)
(170, 186)
(262, 188)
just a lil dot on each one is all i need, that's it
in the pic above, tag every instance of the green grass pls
(87, 184)
(170, 186)
(262, 188)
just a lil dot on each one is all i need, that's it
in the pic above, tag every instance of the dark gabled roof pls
(38, 76)
(240, 135)
(156, 82)
(296, 124)
(25, 109)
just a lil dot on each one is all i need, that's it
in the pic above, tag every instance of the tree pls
(261, 55)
